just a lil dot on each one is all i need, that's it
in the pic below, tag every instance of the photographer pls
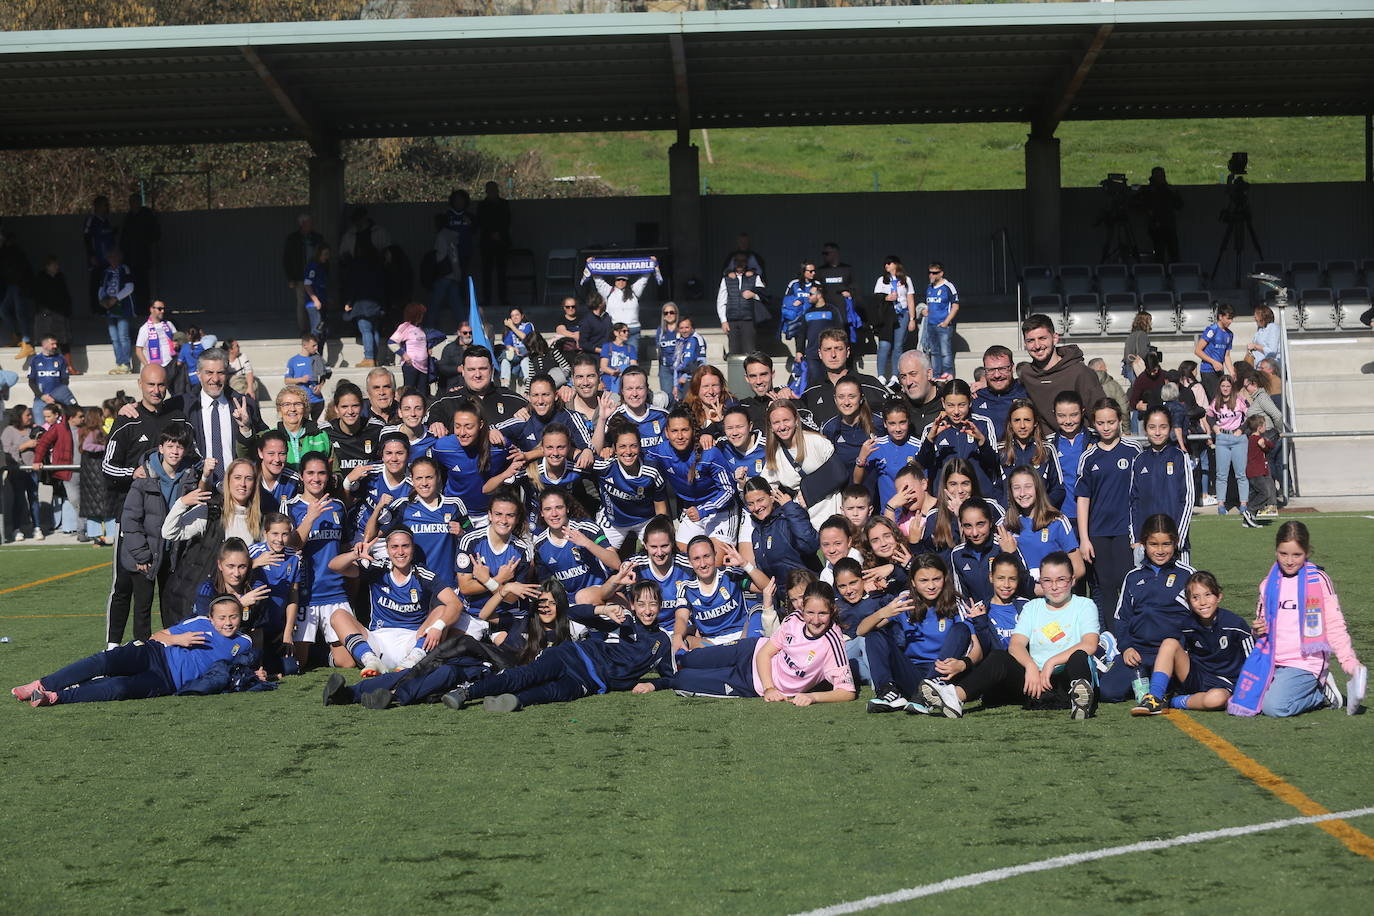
(1160, 203)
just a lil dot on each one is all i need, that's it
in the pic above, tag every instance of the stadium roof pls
(1037, 63)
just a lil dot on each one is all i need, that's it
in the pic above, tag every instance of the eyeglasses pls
(1063, 580)
(996, 370)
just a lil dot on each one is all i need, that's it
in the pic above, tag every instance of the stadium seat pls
(1304, 275)
(1318, 310)
(1162, 309)
(1113, 278)
(1075, 278)
(1195, 311)
(1185, 278)
(1351, 303)
(1118, 312)
(520, 272)
(1083, 315)
(560, 274)
(1037, 281)
(1343, 275)
(1149, 278)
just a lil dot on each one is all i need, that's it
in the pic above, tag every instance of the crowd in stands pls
(543, 520)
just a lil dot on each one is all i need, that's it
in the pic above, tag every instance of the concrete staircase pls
(1330, 391)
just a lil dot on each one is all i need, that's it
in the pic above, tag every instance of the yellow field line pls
(1357, 842)
(75, 572)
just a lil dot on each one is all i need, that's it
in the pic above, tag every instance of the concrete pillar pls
(684, 212)
(1043, 203)
(327, 196)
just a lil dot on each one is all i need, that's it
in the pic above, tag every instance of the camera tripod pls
(1236, 216)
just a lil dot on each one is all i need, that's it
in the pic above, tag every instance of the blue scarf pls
(622, 267)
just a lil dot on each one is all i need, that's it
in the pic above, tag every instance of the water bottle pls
(1141, 685)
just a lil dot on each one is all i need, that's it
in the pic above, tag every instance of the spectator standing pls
(1226, 411)
(622, 296)
(116, 297)
(837, 278)
(1053, 369)
(740, 294)
(792, 311)
(411, 344)
(53, 308)
(494, 243)
(315, 282)
(666, 339)
(362, 290)
(306, 369)
(752, 259)
(154, 344)
(454, 244)
(1265, 344)
(94, 495)
(688, 356)
(362, 231)
(545, 360)
(1110, 386)
(55, 446)
(1213, 350)
(297, 251)
(138, 239)
(16, 279)
(942, 308)
(1161, 204)
(21, 490)
(241, 377)
(99, 237)
(893, 315)
(1137, 346)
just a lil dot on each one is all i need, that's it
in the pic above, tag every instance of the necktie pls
(216, 438)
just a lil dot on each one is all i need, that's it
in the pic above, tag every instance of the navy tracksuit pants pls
(558, 675)
(888, 664)
(135, 671)
(716, 671)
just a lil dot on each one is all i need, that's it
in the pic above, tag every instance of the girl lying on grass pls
(159, 667)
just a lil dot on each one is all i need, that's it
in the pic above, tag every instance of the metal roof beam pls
(1067, 90)
(296, 109)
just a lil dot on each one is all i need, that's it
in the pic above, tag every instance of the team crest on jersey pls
(1169, 582)
(1045, 536)
(367, 445)
(1122, 463)
(414, 594)
(448, 517)
(235, 650)
(656, 429)
(758, 466)
(639, 492)
(1169, 468)
(770, 542)
(1223, 641)
(942, 625)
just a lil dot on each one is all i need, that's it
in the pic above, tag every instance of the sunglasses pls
(934, 272)
(666, 314)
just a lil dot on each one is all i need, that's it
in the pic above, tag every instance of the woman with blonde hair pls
(804, 462)
(240, 515)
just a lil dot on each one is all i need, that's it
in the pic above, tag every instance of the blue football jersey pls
(670, 586)
(650, 424)
(576, 567)
(405, 603)
(323, 585)
(722, 611)
(627, 498)
(436, 548)
(476, 547)
(281, 578)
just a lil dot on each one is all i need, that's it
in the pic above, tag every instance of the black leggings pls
(1001, 678)
(1112, 562)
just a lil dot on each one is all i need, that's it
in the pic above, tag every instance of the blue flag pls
(479, 330)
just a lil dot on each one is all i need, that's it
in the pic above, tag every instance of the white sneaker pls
(38, 534)
(1209, 500)
(890, 700)
(372, 662)
(941, 697)
(111, 645)
(1332, 693)
(412, 658)
(18, 536)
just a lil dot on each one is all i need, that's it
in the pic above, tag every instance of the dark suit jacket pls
(191, 407)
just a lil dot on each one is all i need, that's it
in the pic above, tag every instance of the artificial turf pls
(271, 803)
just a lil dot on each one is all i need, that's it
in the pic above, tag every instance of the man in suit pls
(221, 419)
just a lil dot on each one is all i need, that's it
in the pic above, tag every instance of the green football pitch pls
(269, 802)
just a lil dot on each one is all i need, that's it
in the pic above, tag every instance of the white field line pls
(1078, 858)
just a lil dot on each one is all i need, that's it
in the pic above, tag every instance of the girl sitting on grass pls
(1298, 626)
